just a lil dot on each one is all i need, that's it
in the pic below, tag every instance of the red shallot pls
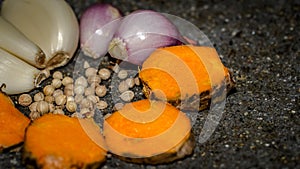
(140, 33)
(97, 27)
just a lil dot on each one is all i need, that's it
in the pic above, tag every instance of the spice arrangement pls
(154, 46)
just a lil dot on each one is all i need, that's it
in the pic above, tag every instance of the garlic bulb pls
(15, 42)
(52, 25)
(17, 75)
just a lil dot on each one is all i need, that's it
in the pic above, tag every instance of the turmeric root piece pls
(149, 132)
(58, 141)
(12, 123)
(186, 76)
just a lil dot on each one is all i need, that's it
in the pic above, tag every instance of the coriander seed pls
(57, 75)
(38, 97)
(71, 106)
(104, 73)
(101, 90)
(48, 90)
(127, 96)
(56, 83)
(122, 74)
(101, 105)
(25, 100)
(42, 107)
(67, 80)
(60, 100)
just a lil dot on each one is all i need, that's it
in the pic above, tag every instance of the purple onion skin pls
(98, 24)
(140, 33)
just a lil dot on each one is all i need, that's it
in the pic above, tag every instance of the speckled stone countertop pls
(259, 41)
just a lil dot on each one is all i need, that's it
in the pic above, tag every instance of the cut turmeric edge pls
(150, 132)
(12, 124)
(184, 73)
(59, 141)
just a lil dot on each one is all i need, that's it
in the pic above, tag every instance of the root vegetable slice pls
(186, 76)
(151, 132)
(58, 141)
(12, 123)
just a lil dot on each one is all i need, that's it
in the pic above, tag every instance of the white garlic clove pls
(17, 75)
(15, 42)
(52, 25)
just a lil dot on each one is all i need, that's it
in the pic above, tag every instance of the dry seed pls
(57, 92)
(87, 113)
(58, 111)
(89, 91)
(86, 103)
(130, 82)
(67, 80)
(101, 105)
(38, 97)
(25, 100)
(104, 73)
(118, 106)
(90, 71)
(71, 106)
(79, 89)
(69, 90)
(34, 115)
(57, 75)
(33, 106)
(123, 86)
(94, 85)
(94, 79)
(42, 107)
(94, 99)
(122, 74)
(127, 96)
(49, 99)
(48, 90)
(60, 100)
(101, 91)
(56, 83)
(81, 81)
(78, 98)
(70, 98)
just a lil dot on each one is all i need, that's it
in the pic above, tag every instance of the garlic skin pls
(17, 75)
(52, 25)
(15, 42)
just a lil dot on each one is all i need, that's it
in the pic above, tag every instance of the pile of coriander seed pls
(80, 96)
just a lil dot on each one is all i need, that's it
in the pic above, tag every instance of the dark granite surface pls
(259, 41)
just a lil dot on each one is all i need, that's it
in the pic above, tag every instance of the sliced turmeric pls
(12, 123)
(58, 141)
(150, 132)
(185, 74)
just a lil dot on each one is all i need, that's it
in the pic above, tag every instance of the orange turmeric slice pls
(12, 123)
(58, 141)
(185, 74)
(150, 132)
